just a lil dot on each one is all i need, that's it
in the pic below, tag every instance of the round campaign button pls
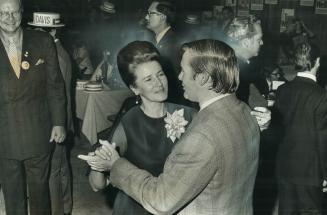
(25, 65)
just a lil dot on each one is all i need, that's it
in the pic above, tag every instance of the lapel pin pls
(26, 54)
(25, 65)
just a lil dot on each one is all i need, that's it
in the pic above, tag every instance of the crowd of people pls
(192, 141)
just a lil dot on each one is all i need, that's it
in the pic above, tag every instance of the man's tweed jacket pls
(210, 171)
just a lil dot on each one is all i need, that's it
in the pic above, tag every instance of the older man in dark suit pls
(302, 154)
(244, 34)
(32, 111)
(212, 168)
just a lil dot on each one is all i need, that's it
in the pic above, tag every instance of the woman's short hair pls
(306, 55)
(216, 59)
(242, 27)
(132, 55)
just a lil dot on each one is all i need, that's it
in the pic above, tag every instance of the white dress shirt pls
(162, 34)
(210, 101)
(307, 75)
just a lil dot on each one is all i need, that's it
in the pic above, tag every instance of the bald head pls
(10, 16)
(18, 2)
(246, 34)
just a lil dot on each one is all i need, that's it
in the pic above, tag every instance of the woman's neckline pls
(164, 113)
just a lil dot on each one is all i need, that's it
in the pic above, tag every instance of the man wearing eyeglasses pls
(32, 111)
(159, 19)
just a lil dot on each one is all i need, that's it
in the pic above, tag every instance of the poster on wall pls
(307, 2)
(256, 4)
(321, 7)
(231, 3)
(271, 1)
(216, 11)
(286, 16)
(206, 17)
(243, 7)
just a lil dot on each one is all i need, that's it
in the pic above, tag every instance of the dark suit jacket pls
(168, 47)
(66, 71)
(32, 104)
(302, 106)
(251, 85)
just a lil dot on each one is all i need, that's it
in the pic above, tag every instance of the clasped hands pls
(103, 158)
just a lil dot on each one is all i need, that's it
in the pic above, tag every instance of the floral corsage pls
(175, 124)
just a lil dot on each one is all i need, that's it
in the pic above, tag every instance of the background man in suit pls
(60, 179)
(160, 17)
(215, 161)
(302, 154)
(245, 36)
(32, 111)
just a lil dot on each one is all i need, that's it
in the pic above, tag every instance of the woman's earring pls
(138, 100)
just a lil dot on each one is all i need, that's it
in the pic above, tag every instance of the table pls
(94, 108)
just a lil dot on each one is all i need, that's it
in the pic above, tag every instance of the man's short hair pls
(216, 59)
(306, 55)
(168, 9)
(242, 27)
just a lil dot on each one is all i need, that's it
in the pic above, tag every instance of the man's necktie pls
(13, 57)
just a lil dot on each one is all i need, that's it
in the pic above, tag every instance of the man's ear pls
(202, 79)
(163, 17)
(245, 43)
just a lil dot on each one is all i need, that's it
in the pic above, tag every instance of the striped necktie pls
(13, 57)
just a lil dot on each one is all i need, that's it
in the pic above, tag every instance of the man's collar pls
(212, 100)
(162, 34)
(307, 75)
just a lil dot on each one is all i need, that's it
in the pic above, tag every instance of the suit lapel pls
(164, 38)
(5, 63)
(22, 84)
(8, 77)
(26, 55)
(4, 60)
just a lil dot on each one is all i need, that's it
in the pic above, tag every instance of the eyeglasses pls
(7, 14)
(150, 13)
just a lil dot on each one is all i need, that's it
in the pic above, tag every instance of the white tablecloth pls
(2, 203)
(94, 107)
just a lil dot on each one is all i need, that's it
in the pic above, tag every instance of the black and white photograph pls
(175, 107)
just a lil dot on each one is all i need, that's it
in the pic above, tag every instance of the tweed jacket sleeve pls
(188, 170)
